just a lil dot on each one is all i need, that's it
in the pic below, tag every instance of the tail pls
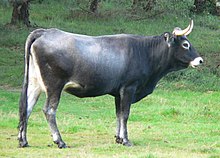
(23, 104)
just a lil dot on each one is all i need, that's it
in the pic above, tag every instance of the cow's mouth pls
(196, 62)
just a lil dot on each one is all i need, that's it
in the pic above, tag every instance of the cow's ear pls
(167, 37)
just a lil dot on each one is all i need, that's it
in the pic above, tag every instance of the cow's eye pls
(185, 45)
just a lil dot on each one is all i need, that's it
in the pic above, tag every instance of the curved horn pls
(185, 32)
(190, 29)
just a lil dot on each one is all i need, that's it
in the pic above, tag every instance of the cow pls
(125, 66)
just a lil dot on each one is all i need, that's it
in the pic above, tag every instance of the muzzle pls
(196, 62)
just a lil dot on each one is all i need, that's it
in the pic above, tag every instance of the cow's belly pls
(82, 91)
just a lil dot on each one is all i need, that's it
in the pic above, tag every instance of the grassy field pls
(166, 124)
(205, 36)
(180, 119)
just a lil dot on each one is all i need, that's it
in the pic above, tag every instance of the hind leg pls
(32, 97)
(49, 110)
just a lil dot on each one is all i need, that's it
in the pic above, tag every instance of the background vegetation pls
(115, 17)
(180, 119)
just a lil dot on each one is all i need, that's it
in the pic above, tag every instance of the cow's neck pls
(161, 58)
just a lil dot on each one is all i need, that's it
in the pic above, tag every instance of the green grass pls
(165, 124)
(11, 66)
(112, 19)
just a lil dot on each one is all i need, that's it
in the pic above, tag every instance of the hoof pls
(122, 141)
(23, 144)
(128, 144)
(61, 144)
(118, 140)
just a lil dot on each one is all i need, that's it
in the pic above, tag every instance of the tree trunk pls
(94, 6)
(218, 7)
(20, 13)
(149, 5)
(211, 6)
(199, 5)
(134, 4)
(146, 5)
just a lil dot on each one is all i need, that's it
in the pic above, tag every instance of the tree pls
(206, 5)
(20, 13)
(218, 7)
(149, 5)
(199, 5)
(146, 5)
(94, 6)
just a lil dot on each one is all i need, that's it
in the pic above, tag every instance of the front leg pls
(123, 104)
(118, 122)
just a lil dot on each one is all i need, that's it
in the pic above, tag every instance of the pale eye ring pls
(185, 45)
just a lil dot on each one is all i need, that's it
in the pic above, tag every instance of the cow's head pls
(181, 49)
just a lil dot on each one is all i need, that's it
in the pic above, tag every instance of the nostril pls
(200, 61)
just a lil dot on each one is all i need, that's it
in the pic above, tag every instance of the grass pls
(180, 119)
(165, 124)
(11, 67)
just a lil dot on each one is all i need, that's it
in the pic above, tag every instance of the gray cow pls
(125, 66)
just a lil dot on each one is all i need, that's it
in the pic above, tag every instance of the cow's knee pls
(49, 111)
